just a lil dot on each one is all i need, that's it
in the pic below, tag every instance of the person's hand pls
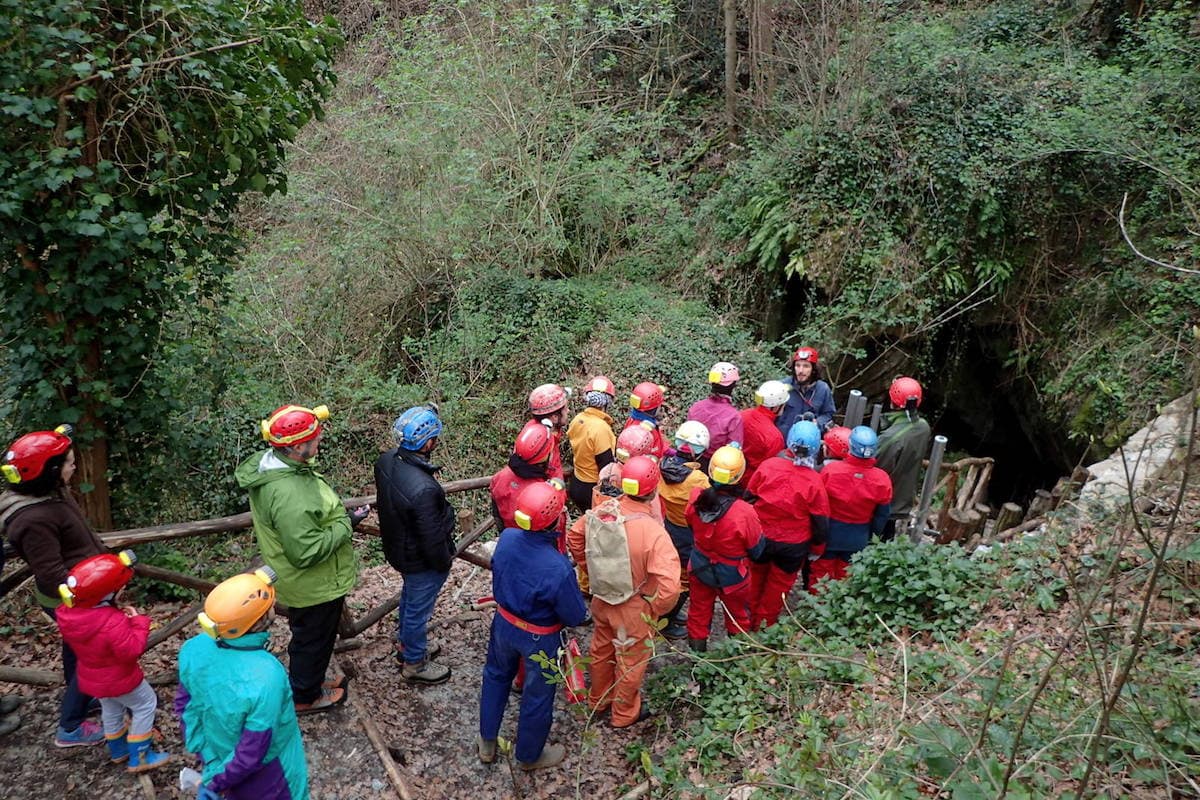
(358, 515)
(808, 416)
(129, 611)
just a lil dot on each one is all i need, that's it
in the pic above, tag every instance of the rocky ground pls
(431, 731)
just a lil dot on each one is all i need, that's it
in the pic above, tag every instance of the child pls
(108, 640)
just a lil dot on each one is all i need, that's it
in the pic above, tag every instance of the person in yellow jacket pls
(681, 474)
(593, 442)
(647, 568)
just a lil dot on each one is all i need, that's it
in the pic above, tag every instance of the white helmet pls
(772, 394)
(693, 434)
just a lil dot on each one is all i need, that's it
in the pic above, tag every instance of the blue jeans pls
(74, 702)
(417, 598)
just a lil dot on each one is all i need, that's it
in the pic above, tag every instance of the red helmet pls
(646, 396)
(636, 440)
(601, 384)
(539, 505)
(902, 390)
(290, 425)
(93, 579)
(27, 456)
(546, 399)
(808, 354)
(837, 442)
(534, 443)
(639, 476)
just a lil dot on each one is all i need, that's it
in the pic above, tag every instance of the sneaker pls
(340, 682)
(86, 735)
(552, 755)
(487, 750)
(329, 698)
(425, 672)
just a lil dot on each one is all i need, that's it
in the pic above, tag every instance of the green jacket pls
(302, 528)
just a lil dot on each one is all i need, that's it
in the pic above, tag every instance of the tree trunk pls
(761, 22)
(731, 83)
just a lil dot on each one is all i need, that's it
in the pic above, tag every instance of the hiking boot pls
(10, 723)
(552, 755)
(10, 703)
(432, 650)
(86, 735)
(340, 682)
(644, 713)
(675, 629)
(425, 672)
(327, 699)
(487, 750)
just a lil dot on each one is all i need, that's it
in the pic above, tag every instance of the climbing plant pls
(128, 132)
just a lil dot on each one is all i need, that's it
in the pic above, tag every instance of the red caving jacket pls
(108, 645)
(725, 539)
(790, 500)
(760, 440)
(860, 500)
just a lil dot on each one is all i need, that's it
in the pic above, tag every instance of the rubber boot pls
(676, 627)
(552, 755)
(487, 750)
(143, 757)
(698, 645)
(118, 747)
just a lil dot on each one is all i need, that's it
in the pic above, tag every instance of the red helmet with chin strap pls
(639, 476)
(546, 399)
(902, 390)
(646, 396)
(600, 383)
(636, 440)
(534, 443)
(808, 354)
(837, 442)
(95, 578)
(289, 425)
(27, 456)
(539, 505)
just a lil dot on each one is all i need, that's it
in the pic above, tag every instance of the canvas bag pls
(610, 574)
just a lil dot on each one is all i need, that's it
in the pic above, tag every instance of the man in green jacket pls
(903, 443)
(303, 532)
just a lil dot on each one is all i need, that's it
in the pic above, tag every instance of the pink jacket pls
(721, 417)
(108, 645)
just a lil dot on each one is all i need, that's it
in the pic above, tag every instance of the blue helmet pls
(804, 438)
(863, 442)
(415, 427)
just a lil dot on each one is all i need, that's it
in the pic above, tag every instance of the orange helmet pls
(235, 604)
(546, 399)
(95, 578)
(27, 456)
(534, 443)
(837, 442)
(646, 396)
(639, 476)
(290, 425)
(636, 440)
(902, 390)
(601, 384)
(727, 465)
(539, 505)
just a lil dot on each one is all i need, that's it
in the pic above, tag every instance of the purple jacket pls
(721, 417)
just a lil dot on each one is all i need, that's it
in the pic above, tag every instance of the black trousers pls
(314, 632)
(580, 493)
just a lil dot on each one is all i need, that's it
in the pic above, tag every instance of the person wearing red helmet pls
(548, 405)
(633, 572)
(109, 639)
(528, 463)
(593, 442)
(810, 397)
(639, 439)
(681, 474)
(903, 443)
(303, 533)
(536, 597)
(860, 499)
(645, 403)
(717, 412)
(836, 444)
(762, 440)
(40, 518)
(727, 536)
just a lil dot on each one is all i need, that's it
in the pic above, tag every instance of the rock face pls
(1141, 459)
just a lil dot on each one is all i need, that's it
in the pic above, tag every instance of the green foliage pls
(127, 136)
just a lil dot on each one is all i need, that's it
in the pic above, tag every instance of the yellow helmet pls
(234, 605)
(728, 465)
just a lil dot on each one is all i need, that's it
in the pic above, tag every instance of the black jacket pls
(415, 519)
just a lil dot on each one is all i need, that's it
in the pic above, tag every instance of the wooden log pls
(174, 626)
(1010, 514)
(14, 580)
(147, 785)
(1039, 505)
(398, 779)
(347, 628)
(472, 557)
(968, 487)
(170, 576)
(986, 511)
(474, 535)
(959, 524)
(1024, 527)
(375, 614)
(948, 500)
(979, 493)
(30, 677)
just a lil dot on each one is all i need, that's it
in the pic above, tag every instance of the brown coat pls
(52, 536)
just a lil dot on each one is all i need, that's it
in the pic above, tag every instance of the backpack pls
(610, 573)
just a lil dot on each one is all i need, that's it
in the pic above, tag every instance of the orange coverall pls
(621, 638)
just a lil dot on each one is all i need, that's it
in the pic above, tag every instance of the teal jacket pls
(235, 712)
(302, 528)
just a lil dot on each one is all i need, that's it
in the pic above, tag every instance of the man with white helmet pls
(303, 532)
(717, 411)
(416, 523)
(762, 439)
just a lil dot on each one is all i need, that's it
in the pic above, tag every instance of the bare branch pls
(1139, 253)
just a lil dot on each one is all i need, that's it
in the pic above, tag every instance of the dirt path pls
(431, 730)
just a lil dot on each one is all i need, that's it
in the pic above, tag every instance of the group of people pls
(736, 505)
